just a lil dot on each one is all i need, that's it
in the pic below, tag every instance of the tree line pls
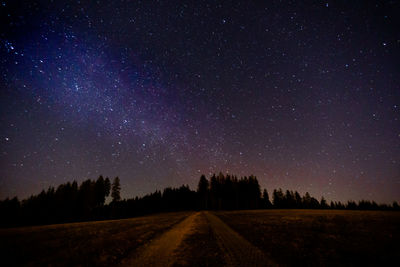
(71, 202)
(68, 203)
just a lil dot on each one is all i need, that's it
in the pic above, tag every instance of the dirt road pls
(167, 249)
(160, 252)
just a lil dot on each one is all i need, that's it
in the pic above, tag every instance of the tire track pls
(160, 252)
(237, 250)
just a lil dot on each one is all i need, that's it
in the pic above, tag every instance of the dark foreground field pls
(237, 238)
(321, 237)
(102, 243)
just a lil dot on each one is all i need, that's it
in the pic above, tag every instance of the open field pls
(321, 237)
(101, 243)
(234, 238)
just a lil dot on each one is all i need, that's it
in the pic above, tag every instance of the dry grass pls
(101, 243)
(321, 237)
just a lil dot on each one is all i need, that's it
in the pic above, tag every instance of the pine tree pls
(267, 203)
(116, 189)
(202, 191)
(323, 203)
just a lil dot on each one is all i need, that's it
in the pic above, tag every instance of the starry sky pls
(303, 94)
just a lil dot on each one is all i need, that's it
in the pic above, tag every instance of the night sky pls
(303, 94)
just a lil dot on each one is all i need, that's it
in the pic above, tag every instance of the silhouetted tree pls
(323, 203)
(290, 201)
(254, 193)
(266, 202)
(306, 201)
(298, 199)
(202, 191)
(278, 198)
(102, 190)
(351, 205)
(116, 189)
(213, 192)
(73, 202)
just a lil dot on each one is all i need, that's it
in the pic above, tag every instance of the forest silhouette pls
(71, 202)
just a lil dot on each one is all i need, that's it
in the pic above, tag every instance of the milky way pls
(303, 95)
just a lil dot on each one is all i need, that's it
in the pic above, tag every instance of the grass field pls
(321, 237)
(234, 238)
(102, 243)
